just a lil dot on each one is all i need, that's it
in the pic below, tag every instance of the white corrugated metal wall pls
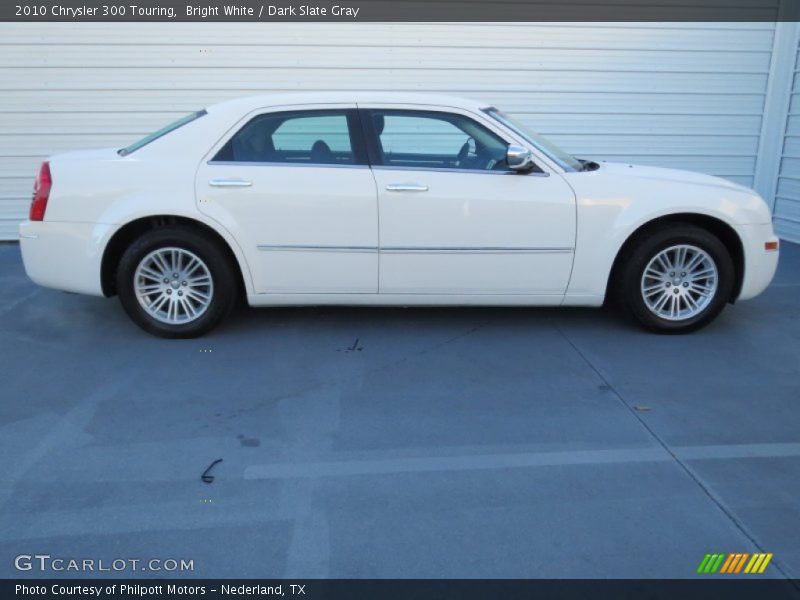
(787, 193)
(679, 95)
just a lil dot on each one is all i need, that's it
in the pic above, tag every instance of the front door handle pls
(406, 187)
(230, 183)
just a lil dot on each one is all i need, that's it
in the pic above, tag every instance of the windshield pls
(564, 160)
(161, 132)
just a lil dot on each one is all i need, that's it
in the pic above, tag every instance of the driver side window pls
(431, 139)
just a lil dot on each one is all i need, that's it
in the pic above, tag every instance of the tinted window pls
(309, 137)
(565, 160)
(436, 140)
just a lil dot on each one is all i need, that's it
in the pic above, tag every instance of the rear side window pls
(160, 133)
(299, 137)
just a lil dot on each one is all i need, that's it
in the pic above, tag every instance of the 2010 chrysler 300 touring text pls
(385, 199)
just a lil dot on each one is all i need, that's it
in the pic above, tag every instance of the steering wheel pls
(463, 154)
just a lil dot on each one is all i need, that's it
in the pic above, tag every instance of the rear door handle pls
(406, 187)
(230, 183)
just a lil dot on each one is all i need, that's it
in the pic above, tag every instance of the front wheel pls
(175, 282)
(677, 279)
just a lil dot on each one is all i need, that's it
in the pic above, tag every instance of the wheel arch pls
(722, 230)
(126, 234)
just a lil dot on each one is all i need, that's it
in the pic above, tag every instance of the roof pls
(249, 103)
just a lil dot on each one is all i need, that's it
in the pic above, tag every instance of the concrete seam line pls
(688, 470)
(65, 428)
(519, 460)
(7, 309)
(429, 464)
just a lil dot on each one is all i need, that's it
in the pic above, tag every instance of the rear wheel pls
(176, 282)
(676, 279)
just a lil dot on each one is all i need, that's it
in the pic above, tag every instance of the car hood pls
(671, 175)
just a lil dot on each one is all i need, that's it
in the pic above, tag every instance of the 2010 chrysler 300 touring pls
(385, 199)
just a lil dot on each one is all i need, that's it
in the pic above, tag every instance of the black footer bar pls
(403, 589)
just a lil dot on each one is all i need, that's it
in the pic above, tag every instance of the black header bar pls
(397, 10)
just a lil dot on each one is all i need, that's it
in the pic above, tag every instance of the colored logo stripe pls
(740, 564)
(710, 563)
(734, 563)
(758, 563)
(728, 562)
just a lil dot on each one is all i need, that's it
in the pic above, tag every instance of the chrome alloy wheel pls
(679, 282)
(173, 285)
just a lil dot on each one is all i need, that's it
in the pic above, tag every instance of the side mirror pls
(519, 158)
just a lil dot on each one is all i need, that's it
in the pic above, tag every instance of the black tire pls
(645, 248)
(215, 259)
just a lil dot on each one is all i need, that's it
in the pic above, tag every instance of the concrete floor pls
(400, 443)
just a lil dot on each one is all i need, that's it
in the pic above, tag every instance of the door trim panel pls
(472, 250)
(300, 248)
(414, 249)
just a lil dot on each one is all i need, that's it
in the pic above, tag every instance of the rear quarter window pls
(160, 133)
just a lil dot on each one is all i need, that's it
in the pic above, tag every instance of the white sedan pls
(385, 199)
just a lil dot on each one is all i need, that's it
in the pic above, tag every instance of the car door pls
(454, 219)
(295, 189)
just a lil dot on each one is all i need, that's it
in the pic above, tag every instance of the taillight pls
(41, 192)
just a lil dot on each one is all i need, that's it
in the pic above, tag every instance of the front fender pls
(612, 207)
